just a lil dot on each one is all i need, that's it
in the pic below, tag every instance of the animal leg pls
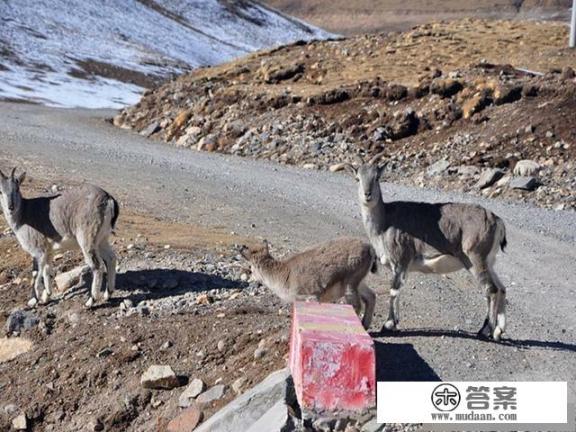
(481, 272)
(47, 276)
(394, 306)
(96, 265)
(369, 299)
(37, 275)
(110, 259)
(500, 307)
(353, 298)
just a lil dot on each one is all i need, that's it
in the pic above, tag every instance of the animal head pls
(255, 255)
(10, 191)
(368, 177)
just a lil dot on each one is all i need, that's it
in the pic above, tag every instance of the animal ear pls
(21, 178)
(351, 169)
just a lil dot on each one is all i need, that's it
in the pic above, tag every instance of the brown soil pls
(85, 365)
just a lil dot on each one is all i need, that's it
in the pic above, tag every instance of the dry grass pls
(402, 58)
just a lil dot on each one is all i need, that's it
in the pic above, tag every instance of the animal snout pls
(367, 196)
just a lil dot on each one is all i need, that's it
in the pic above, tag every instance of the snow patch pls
(42, 41)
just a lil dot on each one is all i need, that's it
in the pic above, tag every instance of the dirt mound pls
(323, 103)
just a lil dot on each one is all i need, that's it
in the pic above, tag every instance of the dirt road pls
(293, 208)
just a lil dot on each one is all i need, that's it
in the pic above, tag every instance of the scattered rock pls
(373, 426)
(159, 377)
(214, 393)
(526, 168)
(523, 183)
(10, 409)
(238, 384)
(151, 129)
(20, 320)
(260, 352)
(194, 389)
(489, 177)
(221, 345)
(187, 420)
(438, 167)
(65, 281)
(95, 425)
(165, 346)
(20, 423)
(105, 352)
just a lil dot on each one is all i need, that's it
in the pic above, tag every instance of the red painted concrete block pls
(332, 358)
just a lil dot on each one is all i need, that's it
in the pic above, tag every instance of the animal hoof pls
(45, 297)
(89, 303)
(106, 296)
(390, 325)
(32, 302)
(497, 335)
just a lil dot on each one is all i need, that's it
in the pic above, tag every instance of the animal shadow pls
(460, 334)
(401, 362)
(159, 283)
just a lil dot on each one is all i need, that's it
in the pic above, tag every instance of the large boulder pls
(244, 411)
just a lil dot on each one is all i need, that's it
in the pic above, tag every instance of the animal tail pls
(115, 209)
(501, 232)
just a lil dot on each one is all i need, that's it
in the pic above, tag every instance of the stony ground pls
(183, 300)
(443, 104)
(293, 208)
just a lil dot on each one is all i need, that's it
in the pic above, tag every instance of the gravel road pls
(293, 208)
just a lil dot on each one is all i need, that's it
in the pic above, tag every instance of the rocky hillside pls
(441, 108)
(102, 54)
(361, 16)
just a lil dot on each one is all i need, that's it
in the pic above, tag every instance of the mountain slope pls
(101, 54)
(361, 16)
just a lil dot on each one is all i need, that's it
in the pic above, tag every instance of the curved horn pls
(12, 173)
(376, 158)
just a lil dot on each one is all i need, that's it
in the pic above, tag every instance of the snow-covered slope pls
(101, 53)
